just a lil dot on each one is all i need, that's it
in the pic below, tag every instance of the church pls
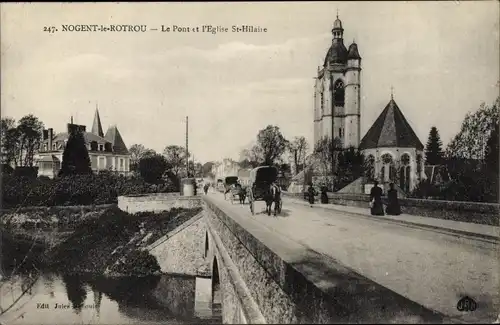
(106, 151)
(392, 150)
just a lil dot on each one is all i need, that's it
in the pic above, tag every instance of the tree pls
(470, 142)
(270, 145)
(195, 169)
(433, 149)
(350, 166)
(491, 158)
(298, 148)
(137, 151)
(153, 167)
(76, 158)
(207, 169)
(176, 159)
(30, 130)
(327, 151)
(251, 158)
(10, 140)
(285, 168)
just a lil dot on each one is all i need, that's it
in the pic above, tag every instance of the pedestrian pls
(393, 207)
(205, 188)
(311, 194)
(376, 206)
(324, 195)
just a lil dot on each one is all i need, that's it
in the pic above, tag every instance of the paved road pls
(431, 268)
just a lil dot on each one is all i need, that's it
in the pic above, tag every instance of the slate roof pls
(337, 53)
(97, 126)
(113, 136)
(353, 52)
(391, 129)
(89, 137)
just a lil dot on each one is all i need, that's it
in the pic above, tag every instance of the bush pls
(75, 190)
(26, 171)
(137, 263)
(467, 185)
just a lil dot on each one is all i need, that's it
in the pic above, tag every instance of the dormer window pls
(101, 147)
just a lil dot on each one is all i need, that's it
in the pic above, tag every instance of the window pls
(102, 163)
(405, 159)
(101, 147)
(322, 103)
(53, 146)
(121, 162)
(340, 132)
(386, 158)
(339, 94)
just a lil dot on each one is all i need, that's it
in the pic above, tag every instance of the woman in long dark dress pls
(311, 194)
(377, 208)
(393, 207)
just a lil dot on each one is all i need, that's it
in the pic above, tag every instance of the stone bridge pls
(310, 265)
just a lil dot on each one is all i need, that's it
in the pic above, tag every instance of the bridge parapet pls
(280, 280)
(475, 212)
(156, 202)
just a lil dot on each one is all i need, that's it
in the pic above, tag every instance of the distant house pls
(244, 176)
(106, 152)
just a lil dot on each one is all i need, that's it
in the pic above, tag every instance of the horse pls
(273, 196)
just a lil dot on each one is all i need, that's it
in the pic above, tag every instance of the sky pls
(442, 58)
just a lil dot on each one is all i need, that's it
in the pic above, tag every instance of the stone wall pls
(181, 251)
(474, 212)
(156, 202)
(177, 294)
(54, 217)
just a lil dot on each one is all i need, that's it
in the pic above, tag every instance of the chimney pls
(50, 135)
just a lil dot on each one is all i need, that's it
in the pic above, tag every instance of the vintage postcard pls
(257, 162)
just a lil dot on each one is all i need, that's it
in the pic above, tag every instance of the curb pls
(482, 237)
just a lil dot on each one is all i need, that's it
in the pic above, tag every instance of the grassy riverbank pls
(111, 242)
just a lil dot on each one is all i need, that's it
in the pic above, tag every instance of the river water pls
(82, 299)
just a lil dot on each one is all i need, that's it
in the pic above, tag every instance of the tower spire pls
(97, 126)
(71, 119)
(392, 92)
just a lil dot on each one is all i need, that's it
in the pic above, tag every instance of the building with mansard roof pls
(106, 151)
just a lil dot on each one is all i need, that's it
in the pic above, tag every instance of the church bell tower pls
(337, 99)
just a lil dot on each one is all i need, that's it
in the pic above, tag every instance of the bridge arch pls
(206, 244)
(216, 288)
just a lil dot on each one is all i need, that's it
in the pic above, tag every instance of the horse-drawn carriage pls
(232, 187)
(262, 187)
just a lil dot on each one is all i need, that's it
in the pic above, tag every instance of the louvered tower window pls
(339, 95)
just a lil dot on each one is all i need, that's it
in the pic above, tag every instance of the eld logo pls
(466, 304)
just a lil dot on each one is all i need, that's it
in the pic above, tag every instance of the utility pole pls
(187, 148)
